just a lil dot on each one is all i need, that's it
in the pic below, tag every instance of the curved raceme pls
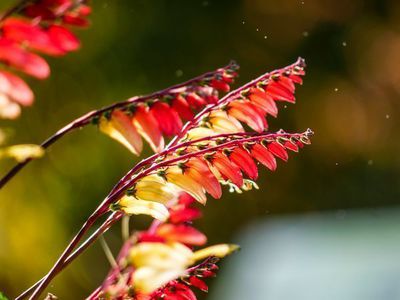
(201, 169)
(42, 27)
(155, 118)
(213, 150)
(160, 263)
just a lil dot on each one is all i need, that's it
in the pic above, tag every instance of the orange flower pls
(200, 172)
(184, 234)
(263, 101)
(168, 119)
(278, 150)
(244, 161)
(248, 113)
(120, 128)
(265, 157)
(148, 127)
(227, 168)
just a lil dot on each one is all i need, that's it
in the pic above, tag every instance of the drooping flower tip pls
(219, 251)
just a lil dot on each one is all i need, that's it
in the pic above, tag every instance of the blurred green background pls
(350, 98)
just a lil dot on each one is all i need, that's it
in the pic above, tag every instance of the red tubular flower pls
(265, 157)
(63, 38)
(243, 160)
(220, 85)
(291, 146)
(184, 214)
(200, 172)
(296, 78)
(168, 119)
(278, 92)
(32, 35)
(263, 101)
(75, 19)
(182, 233)
(195, 100)
(247, 113)
(180, 105)
(200, 284)
(278, 150)
(286, 83)
(227, 168)
(15, 88)
(19, 58)
(148, 127)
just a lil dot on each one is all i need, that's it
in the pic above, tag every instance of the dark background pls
(350, 98)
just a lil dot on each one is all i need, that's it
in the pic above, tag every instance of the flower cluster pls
(40, 27)
(160, 263)
(222, 144)
(154, 118)
(211, 151)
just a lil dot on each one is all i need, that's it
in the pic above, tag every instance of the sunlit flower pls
(120, 128)
(226, 168)
(181, 233)
(248, 113)
(176, 176)
(133, 206)
(148, 126)
(157, 263)
(155, 188)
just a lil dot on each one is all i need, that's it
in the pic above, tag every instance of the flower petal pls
(175, 176)
(244, 161)
(133, 206)
(278, 150)
(227, 168)
(120, 128)
(265, 157)
(247, 113)
(184, 234)
(148, 127)
(220, 250)
(200, 172)
(167, 118)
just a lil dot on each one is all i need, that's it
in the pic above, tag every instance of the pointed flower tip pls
(220, 250)
(132, 206)
(309, 132)
(301, 62)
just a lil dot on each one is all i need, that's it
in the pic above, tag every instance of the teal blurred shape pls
(344, 255)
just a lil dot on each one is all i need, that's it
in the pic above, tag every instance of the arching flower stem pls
(232, 95)
(92, 115)
(113, 218)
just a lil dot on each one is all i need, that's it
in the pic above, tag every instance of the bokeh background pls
(350, 98)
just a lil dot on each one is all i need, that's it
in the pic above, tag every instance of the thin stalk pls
(103, 207)
(88, 117)
(113, 218)
(125, 232)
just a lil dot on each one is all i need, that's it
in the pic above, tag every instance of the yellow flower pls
(175, 176)
(133, 206)
(220, 250)
(199, 132)
(120, 128)
(157, 263)
(222, 123)
(155, 188)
